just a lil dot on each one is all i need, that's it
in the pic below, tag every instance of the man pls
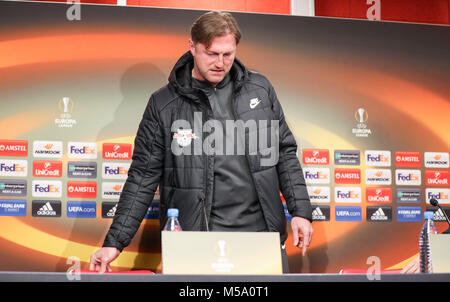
(213, 192)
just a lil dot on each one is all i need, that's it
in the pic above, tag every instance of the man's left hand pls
(302, 231)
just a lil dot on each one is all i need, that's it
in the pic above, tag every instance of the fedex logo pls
(13, 167)
(378, 158)
(117, 151)
(316, 175)
(379, 195)
(436, 178)
(47, 168)
(13, 148)
(441, 195)
(316, 157)
(407, 159)
(115, 170)
(347, 194)
(408, 177)
(82, 150)
(47, 189)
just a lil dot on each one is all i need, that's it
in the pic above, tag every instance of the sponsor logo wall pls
(373, 185)
(403, 178)
(63, 183)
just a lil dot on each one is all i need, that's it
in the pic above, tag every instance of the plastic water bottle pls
(172, 223)
(424, 243)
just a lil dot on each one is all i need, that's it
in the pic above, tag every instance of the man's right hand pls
(413, 267)
(101, 259)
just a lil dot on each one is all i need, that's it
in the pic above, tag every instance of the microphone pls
(435, 203)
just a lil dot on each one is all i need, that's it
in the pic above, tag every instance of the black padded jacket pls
(186, 181)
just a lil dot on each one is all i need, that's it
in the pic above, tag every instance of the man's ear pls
(191, 47)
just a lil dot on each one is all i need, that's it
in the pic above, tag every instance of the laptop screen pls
(212, 253)
(440, 252)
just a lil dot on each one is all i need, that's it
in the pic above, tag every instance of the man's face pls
(213, 63)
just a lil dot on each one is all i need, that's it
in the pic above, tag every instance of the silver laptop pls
(440, 252)
(215, 253)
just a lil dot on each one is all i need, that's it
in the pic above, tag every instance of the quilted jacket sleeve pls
(143, 178)
(290, 174)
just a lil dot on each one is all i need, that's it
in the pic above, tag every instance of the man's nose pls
(219, 61)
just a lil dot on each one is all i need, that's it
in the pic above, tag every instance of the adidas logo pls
(317, 214)
(439, 216)
(379, 215)
(46, 210)
(112, 212)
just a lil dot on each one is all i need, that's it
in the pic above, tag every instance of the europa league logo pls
(65, 105)
(222, 248)
(361, 117)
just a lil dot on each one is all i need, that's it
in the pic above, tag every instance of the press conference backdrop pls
(368, 103)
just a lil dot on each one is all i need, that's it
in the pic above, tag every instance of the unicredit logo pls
(379, 195)
(47, 168)
(436, 178)
(316, 157)
(117, 151)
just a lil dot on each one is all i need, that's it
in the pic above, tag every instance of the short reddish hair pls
(214, 24)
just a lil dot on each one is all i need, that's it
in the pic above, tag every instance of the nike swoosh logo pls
(254, 102)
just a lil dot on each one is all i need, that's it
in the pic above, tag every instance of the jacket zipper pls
(246, 155)
(205, 177)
